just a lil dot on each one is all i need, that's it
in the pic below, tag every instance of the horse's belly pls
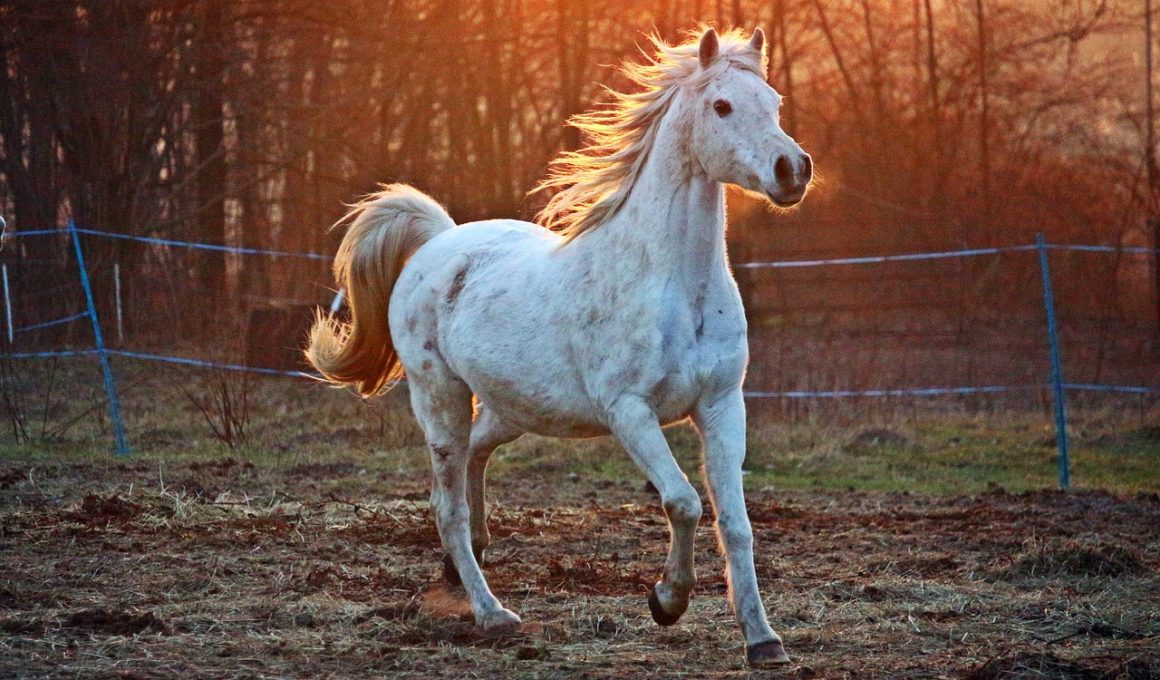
(544, 416)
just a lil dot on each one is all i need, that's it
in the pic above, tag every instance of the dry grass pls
(1061, 558)
(235, 570)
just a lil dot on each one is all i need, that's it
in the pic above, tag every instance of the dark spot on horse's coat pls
(720, 311)
(426, 365)
(660, 389)
(442, 452)
(429, 345)
(411, 323)
(457, 284)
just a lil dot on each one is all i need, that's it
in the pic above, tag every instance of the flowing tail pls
(386, 228)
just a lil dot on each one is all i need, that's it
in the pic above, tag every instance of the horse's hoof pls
(768, 653)
(450, 573)
(499, 623)
(658, 612)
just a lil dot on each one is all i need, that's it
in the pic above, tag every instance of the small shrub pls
(225, 406)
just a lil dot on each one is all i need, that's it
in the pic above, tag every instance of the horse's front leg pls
(635, 425)
(722, 425)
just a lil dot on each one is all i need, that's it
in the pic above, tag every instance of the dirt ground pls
(229, 570)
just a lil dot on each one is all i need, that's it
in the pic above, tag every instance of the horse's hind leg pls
(487, 433)
(636, 426)
(444, 412)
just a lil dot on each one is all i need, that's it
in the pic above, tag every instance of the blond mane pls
(591, 184)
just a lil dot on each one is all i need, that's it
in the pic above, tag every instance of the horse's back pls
(469, 259)
(476, 304)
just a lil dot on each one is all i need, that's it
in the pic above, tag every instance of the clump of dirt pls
(226, 467)
(774, 512)
(867, 441)
(847, 592)
(107, 622)
(194, 488)
(532, 653)
(95, 508)
(353, 585)
(1070, 558)
(606, 628)
(11, 477)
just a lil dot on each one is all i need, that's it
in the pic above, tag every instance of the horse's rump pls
(386, 228)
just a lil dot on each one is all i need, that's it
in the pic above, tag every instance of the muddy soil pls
(230, 570)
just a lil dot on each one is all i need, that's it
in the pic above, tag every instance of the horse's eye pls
(722, 107)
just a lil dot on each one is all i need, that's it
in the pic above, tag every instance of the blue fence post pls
(106, 369)
(1056, 363)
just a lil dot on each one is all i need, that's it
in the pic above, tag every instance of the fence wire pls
(1056, 382)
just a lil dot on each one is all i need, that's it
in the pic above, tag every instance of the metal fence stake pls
(103, 354)
(117, 299)
(8, 307)
(1056, 364)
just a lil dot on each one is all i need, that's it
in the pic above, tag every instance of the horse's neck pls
(672, 226)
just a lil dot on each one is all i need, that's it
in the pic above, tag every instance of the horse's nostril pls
(807, 168)
(783, 171)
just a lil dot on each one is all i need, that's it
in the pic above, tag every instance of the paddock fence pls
(970, 323)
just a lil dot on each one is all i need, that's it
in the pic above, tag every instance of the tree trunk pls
(211, 174)
(984, 125)
(785, 65)
(1152, 199)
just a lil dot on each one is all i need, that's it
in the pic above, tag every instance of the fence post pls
(1056, 363)
(106, 369)
(117, 299)
(8, 307)
(336, 303)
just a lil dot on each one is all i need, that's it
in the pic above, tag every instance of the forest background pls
(934, 125)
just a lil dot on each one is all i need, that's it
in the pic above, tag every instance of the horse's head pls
(736, 136)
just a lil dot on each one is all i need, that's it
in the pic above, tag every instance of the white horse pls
(622, 319)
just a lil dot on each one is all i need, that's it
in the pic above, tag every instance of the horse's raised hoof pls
(658, 612)
(450, 573)
(768, 653)
(498, 623)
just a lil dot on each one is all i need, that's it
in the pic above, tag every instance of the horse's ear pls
(757, 42)
(709, 47)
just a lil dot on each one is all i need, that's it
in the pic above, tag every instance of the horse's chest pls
(699, 350)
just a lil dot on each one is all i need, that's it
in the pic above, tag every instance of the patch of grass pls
(292, 423)
(939, 454)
